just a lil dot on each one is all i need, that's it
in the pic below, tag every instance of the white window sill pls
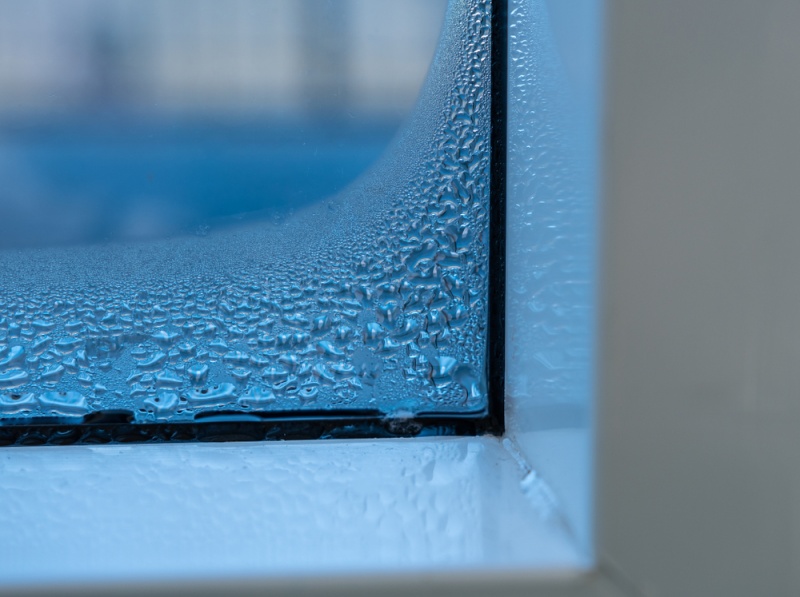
(120, 514)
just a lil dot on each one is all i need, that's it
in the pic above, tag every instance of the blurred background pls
(137, 118)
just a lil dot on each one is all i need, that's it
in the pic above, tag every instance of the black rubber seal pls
(496, 340)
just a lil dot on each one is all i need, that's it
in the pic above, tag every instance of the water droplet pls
(13, 378)
(68, 403)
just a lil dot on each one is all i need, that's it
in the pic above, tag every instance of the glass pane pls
(210, 212)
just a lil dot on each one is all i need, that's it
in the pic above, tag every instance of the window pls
(467, 509)
(339, 310)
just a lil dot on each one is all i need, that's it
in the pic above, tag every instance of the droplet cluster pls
(373, 299)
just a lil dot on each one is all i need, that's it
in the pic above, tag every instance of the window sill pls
(184, 513)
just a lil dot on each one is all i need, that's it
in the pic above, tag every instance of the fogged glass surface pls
(129, 130)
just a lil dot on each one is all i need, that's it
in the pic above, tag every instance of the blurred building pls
(237, 57)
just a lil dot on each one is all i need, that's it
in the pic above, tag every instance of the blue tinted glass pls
(211, 211)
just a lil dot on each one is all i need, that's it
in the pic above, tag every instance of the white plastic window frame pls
(464, 514)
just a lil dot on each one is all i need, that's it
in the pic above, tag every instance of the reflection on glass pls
(135, 118)
(370, 295)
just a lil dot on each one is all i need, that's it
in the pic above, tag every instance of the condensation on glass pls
(372, 298)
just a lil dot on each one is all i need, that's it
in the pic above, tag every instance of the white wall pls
(700, 433)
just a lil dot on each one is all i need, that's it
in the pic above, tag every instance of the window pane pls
(138, 133)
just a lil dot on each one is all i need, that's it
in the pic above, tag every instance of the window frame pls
(581, 579)
(720, 517)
